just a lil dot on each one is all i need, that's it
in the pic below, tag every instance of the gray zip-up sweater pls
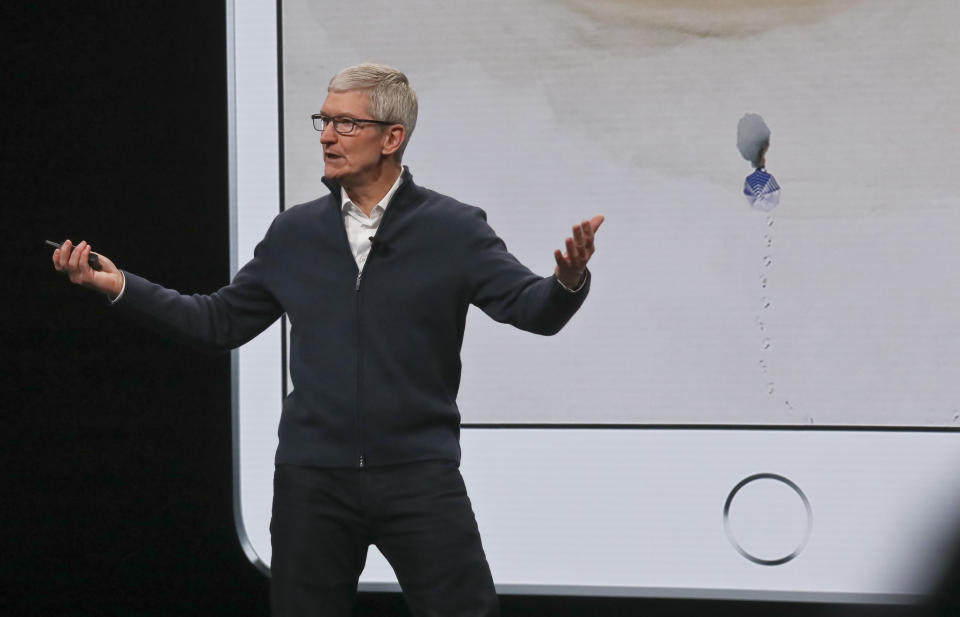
(374, 356)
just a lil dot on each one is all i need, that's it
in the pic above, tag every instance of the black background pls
(116, 446)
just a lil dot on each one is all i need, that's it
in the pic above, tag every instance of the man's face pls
(349, 158)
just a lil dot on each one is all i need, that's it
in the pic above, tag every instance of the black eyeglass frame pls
(354, 123)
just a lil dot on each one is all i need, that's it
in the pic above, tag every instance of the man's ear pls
(393, 139)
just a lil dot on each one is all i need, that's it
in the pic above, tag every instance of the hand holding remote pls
(84, 267)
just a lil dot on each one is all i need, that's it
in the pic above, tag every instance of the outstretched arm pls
(509, 292)
(222, 320)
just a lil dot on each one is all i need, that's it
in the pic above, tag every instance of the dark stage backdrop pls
(114, 442)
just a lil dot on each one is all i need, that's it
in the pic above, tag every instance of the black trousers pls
(417, 514)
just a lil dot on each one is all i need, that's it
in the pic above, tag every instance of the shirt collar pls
(345, 200)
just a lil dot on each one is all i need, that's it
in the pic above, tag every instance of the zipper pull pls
(359, 276)
(362, 461)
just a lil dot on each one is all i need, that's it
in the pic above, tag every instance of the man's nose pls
(328, 135)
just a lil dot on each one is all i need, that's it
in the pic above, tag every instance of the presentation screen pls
(837, 306)
(758, 399)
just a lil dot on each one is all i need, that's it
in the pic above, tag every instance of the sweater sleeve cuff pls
(123, 288)
(583, 281)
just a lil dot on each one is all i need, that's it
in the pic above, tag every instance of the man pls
(376, 278)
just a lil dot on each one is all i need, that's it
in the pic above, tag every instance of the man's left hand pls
(572, 265)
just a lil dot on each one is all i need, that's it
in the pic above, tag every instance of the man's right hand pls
(73, 261)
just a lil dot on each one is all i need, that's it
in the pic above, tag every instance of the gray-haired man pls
(376, 278)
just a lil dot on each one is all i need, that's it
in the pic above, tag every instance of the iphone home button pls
(768, 519)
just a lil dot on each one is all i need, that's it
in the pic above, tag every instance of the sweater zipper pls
(360, 457)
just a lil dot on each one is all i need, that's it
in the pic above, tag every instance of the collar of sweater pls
(406, 179)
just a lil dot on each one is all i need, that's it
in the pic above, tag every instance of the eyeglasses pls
(343, 124)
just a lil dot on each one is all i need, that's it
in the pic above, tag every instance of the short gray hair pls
(753, 136)
(392, 98)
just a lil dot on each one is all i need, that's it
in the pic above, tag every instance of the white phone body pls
(755, 405)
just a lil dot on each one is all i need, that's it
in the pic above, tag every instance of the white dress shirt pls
(360, 227)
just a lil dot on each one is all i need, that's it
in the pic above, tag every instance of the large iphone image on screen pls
(756, 400)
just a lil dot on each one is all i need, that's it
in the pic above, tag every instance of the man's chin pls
(333, 171)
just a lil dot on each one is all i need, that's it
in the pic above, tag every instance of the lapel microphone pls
(377, 244)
